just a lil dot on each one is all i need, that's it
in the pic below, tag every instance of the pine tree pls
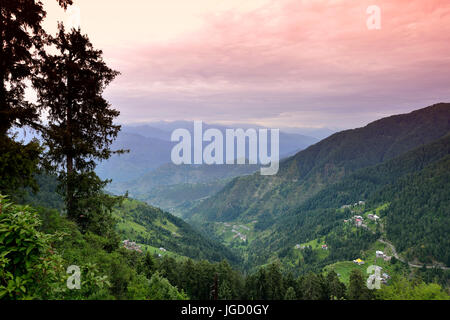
(357, 289)
(336, 289)
(290, 294)
(20, 28)
(20, 34)
(80, 130)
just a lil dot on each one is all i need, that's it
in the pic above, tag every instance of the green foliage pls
(402, 289)
(90, 207)
(145, 224)
(290, 294)
(29, 265)
(357, 289)
(197, 278)
(18, 163)
(161, 289)
(417, 221)
(336, 289)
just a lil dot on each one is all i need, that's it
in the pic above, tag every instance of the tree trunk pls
(69, 147)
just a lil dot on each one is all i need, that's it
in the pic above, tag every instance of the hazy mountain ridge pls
(151, 148)
(309, 171)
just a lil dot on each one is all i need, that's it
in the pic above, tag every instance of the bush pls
(29, 265)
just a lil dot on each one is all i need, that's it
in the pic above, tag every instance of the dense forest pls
(38, 245)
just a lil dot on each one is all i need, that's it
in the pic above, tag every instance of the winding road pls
(394, 252)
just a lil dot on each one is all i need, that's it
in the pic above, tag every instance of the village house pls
(373, 217)
(384, 278)
(129, 245)
(324, 247)
(358, 261)
(162, 249)
(381, 254)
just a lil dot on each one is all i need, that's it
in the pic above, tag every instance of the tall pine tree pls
(80, 130)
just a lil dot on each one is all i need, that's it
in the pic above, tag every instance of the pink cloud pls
(289, 58)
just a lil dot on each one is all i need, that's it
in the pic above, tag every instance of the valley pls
(289, 217)
(332, 209)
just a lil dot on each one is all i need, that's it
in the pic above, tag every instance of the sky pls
(275, 63)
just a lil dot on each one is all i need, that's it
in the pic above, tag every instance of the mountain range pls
(150, 147)
(398, 166)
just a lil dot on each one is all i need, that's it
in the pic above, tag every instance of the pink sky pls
(308, 63)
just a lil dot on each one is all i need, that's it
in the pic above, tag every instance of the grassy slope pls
(153, 227)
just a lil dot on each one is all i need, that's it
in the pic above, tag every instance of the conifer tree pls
(21, 34)
(70, 86)
(357, 288)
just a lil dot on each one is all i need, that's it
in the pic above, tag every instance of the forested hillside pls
(144, 224)
(177, 188)
(139, 222)
(415, 187)
(327, 162)
(410, 192)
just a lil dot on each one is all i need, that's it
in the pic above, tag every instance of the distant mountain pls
(318, 133)
(308, 172)
(290, 142)
(167, 126)
(150, 148)
(147, 131)
(146, 154)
